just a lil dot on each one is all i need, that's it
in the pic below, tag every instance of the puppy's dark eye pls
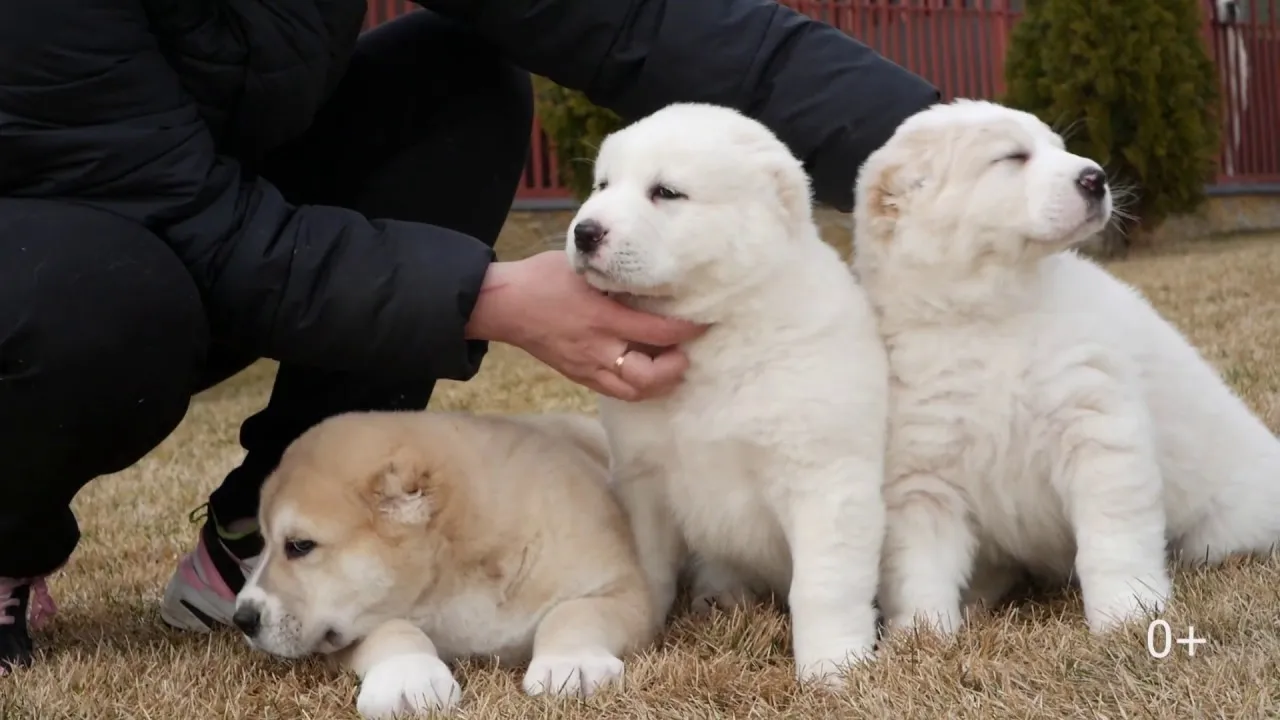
(600, 186)
(1017, 157)
(294, 549)
(662, 192)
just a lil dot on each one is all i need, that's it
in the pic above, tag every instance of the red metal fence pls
(959, 45)
(1245, 38)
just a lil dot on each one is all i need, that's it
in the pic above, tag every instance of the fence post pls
(1004, 27)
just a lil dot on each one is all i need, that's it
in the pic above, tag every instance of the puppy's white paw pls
(717, 586)
(581, 673)
(407, 686)
(1134, 600)
(940, 621)
(725, 601)
(827, 666)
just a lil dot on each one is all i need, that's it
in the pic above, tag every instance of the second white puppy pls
(1044, 416)
(767, 462)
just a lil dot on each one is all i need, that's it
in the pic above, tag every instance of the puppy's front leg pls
(1111, 485)
(836, 527)
(400, 672)
(641, 490)
(929, 551)
(578, 646)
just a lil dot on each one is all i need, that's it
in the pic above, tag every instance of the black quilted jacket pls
(146, 108)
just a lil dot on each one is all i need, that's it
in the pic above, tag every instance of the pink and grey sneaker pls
(202, 592)
(24, 603)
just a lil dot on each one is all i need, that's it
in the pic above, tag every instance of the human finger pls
(654, 376)
(650, 329)
(609, 383)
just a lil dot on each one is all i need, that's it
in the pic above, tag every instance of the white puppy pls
(767, 461)
(1043, 415)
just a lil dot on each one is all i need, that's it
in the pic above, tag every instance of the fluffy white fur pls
(767, 462)
(1043, 415)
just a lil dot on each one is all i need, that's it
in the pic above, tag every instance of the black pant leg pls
(428, 125)
(102, 335)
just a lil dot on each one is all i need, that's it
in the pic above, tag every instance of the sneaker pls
(202, 592)
(24, 602)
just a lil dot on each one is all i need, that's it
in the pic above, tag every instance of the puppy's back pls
(584, 432)
(546, 473)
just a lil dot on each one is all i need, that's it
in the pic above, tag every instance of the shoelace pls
(40, 608)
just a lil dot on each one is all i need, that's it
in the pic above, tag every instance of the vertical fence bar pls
(982, 45)
(1237, 34)
(537, 167)
(1000, 18)
(910, 40)
(1268, 97)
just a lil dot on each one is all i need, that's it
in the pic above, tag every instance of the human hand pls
(543, 307)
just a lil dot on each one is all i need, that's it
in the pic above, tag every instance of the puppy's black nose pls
(248, 619)
(1093, 183)
(587, 236)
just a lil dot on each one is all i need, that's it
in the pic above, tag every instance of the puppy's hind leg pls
(715, 585)
(929, 551)
(579, 645)
(1244, 512)
(1110, 482)
(990, 583)
(835, 528)
(400, 673)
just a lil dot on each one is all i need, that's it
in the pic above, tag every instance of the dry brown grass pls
(112, 657)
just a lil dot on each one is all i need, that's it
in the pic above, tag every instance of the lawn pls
(112, 657)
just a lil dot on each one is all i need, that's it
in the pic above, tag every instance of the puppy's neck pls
(702, 308)
(907, 298)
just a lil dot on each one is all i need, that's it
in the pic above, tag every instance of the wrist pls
(491, 317)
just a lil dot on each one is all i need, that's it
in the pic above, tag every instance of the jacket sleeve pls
(832, 99)
(91, 113)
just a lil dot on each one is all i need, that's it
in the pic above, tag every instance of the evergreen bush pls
(575, 127)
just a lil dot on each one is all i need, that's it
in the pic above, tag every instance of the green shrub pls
(576, 127)
(1131, 84)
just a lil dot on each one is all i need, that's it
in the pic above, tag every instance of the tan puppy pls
(407, 540)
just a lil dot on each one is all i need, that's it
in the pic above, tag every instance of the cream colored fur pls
(441, 536)
(766, 463)
(1043, 415)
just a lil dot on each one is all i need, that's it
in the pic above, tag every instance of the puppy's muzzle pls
(1093, 184)
(588, 236)
(248, 618)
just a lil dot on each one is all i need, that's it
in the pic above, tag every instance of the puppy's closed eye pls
(296, 548)
(1019, 157)
(662, 192)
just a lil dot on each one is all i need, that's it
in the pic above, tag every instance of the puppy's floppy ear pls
(885, 182)
(400, 489)
(792, 186)
(884, 191)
